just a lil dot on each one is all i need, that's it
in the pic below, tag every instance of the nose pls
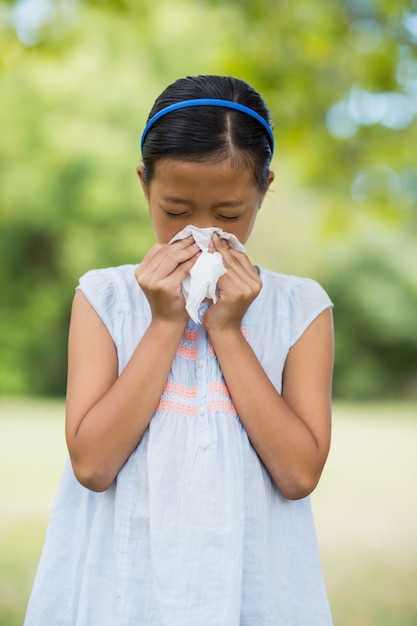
(204, 221)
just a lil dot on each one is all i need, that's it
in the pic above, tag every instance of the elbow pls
(91, 471)
(298, 491)
(300, 480)
(92, 478)
(298, 487)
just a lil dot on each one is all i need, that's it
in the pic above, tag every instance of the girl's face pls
(203, 194)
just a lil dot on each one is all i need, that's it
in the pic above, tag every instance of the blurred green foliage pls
(77, 81)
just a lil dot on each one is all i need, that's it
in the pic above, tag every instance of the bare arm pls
(290, 432)
(107, 414)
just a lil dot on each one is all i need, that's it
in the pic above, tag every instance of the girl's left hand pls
(238, 288)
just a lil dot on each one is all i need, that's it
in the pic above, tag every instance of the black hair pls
(204, 133)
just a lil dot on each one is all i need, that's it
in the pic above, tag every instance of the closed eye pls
(169, 214)
(228, 218)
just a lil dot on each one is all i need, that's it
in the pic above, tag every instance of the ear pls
(140, 173)
(271, 177)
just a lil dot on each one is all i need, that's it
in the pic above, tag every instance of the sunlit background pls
(77, 80)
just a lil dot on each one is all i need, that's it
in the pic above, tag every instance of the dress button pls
(201, 410)
(203, 308)
(201, 363)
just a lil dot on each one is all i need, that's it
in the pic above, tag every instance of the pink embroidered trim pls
(188, 345)
(178, 399)
(166, 405)
(245, 332)
(221, 406)
(219, 399)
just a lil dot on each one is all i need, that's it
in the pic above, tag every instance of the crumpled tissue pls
(201, 282)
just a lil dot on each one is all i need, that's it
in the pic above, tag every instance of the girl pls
(193, 445)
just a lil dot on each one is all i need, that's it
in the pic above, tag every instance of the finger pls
(164, 258)
(150, 255)
(158, 247)
(174, 261)
(227, 252)
(234, 259)
(241, 276)
(161, 280)
(219, 243)
(235, 286)
(186, 241)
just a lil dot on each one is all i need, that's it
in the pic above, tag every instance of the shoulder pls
(111, 291)
(298, 299)
(292, 289)
(122, 276)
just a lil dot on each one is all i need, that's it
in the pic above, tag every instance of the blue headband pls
(228, 104)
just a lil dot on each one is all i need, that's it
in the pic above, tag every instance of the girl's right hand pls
(160, 276)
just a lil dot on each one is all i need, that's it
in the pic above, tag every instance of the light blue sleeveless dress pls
(192, 532)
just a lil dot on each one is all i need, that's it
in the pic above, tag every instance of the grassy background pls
(365, 508)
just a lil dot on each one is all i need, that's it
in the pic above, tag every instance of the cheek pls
(245, 230)
(165, 231)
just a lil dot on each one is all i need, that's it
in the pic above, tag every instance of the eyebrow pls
(221, 204)
(228, 204)
(174, 200)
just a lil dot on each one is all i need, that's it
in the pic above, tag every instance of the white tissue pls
(201, 282)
